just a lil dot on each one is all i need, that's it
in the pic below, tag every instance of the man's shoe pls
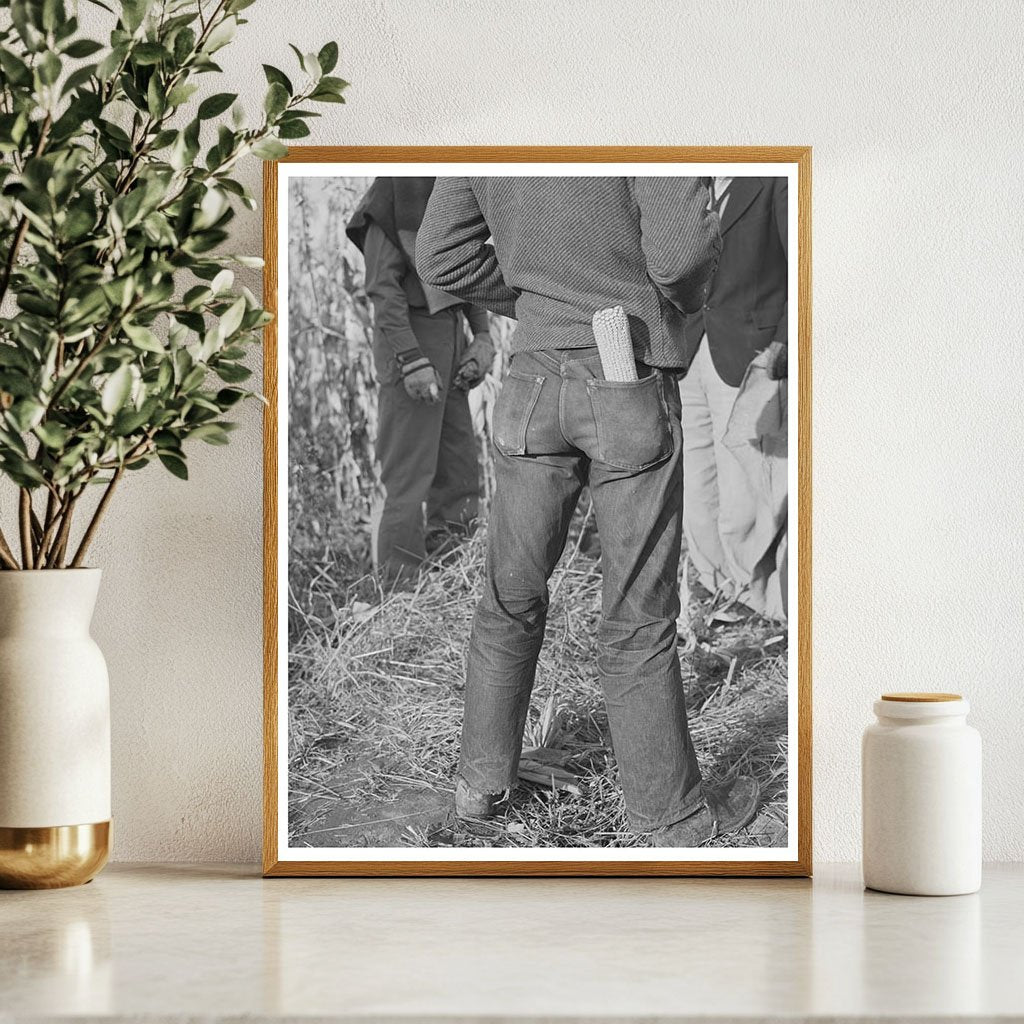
(471, 804)
(726, 807)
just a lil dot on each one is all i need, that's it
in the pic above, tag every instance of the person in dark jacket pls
(425, 441)
(562, 249)
(734, 401)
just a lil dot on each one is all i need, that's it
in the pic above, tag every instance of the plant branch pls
(6, 554)
(60, 542)
(64, 331)
(88, 356)
(153, 125)
(22, 228)
(25, 523)
(51, 525)
(97, 516)
(37, 529)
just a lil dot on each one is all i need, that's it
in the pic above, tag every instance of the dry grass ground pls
(375, 704)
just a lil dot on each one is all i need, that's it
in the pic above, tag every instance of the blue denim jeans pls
(558, 426)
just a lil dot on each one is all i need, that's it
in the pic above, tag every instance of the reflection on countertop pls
(180, 941)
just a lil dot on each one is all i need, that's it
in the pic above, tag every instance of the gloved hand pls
(777, 362)
(419, 377)
(476, 361)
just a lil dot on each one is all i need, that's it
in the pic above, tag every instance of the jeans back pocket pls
(632, 421)
(513, 409)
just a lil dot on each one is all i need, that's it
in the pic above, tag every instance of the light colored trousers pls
(720, 504)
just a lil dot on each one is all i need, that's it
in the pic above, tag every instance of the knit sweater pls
(551, 251)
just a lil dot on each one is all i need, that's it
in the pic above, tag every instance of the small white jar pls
(921, 778)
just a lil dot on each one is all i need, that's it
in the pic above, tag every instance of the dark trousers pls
(558, 425)
(428, 454)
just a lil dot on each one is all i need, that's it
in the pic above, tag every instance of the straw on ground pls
(375, 702)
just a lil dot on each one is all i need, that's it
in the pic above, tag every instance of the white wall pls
(914, 113)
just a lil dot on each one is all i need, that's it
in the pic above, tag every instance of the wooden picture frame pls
(799, 863)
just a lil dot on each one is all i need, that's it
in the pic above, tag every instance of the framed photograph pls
(534, 481)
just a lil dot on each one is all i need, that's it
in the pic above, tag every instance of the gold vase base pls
(52, 857)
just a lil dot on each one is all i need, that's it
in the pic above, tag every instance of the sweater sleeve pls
(679, 236)
(386, 268)
(479, 321)
(452, 251)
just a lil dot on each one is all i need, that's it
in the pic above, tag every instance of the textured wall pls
(913, 110)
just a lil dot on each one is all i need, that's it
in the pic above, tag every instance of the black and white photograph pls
(537, 583)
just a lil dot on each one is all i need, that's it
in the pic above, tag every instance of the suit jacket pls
(401, 311)
(745, 309)
(564, 247)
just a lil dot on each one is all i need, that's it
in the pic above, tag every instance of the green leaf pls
(116, 134)
(164, 376)
(185, 147)
(133, 12)
(53, 14)
(338, 85)
(181, 94)
(21, 471)
(279, 77)
(211, 433)
(12, 356)
(328, 57)
(211, 208)
(269, 149)
(11, 442)
(162, 139)
(310, 64)
(293, 130)
(232, 373)
(26, 414)
(184, 44)
(66, 28)
(119, 292)
(227, 397)
(216, 104)
(222, 281)
(221, 35)
(195, 296)
(175, 465)
(38, 305)
(128, 421)
(78, 78)
(326, 96)
(168, 442)
(49, 68)
(149, 53)
(16, 70)
(193, 379)
(53, 435)
(232, 319)
(82, 48)
(144, 338)
(129, 207)
(116, 390)
(107, 67)
(276, 100)
(26, 21)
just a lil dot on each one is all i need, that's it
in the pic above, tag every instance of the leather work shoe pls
(726, 808)
(471, 804)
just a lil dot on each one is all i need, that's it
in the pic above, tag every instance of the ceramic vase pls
(54, 731)
(921, 774)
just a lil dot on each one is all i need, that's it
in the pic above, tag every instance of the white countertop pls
(182, 941)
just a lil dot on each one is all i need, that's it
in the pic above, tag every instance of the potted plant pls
(122, 344)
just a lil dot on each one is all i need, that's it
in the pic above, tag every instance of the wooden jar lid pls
(921, 698)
